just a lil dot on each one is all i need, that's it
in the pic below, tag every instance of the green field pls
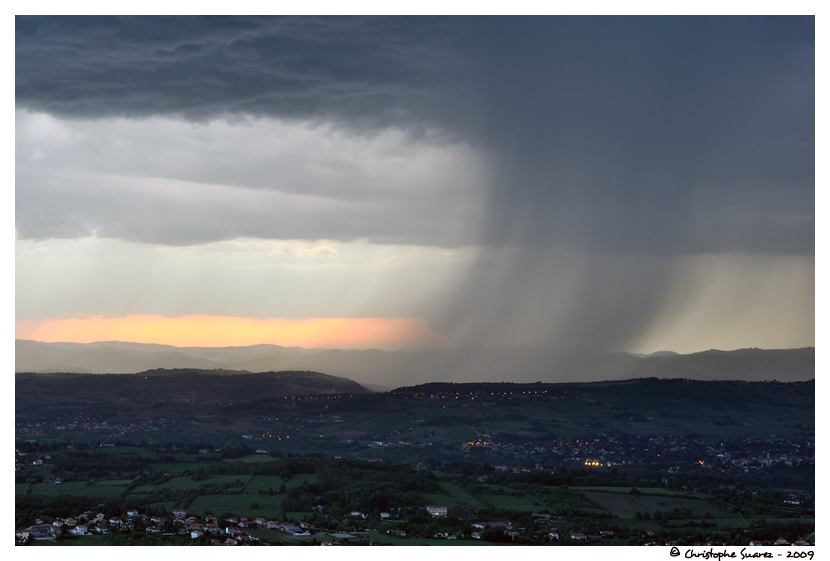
(181, 483)
(524, 503)
(453, 496)
(88, 540)
(114, 482)
(299, 479)
(457, 434)
(626, 505)
(643, 490)
(264, 483)
(251, 506)
(253, 458)
(126, 451)
(81, 489)
(175, 467)
(190, 457)
(721, 523)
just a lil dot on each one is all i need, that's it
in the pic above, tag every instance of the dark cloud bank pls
(611, 134)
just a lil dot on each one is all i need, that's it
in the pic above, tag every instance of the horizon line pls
(445, 348)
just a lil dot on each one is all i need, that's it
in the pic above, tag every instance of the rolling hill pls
(389, 369)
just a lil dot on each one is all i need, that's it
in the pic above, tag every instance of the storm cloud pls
(370, 70)
(170, 182)
(595, 164)
(606, 134)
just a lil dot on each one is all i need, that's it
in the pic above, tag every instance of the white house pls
(436, 510)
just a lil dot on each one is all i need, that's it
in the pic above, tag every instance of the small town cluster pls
(228, 531)
(671, 454)
(240, 531)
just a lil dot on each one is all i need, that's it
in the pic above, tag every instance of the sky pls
(609, 183)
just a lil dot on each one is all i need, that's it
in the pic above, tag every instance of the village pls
(236, 531)
(231, 531)
(671, 454)
(239, 531)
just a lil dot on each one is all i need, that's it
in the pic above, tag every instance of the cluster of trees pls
(91, 464)
(674, 514)
(354, 484)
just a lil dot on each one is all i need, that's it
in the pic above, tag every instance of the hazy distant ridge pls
(405, 368)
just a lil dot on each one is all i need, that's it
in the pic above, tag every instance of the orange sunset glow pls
(223, 331)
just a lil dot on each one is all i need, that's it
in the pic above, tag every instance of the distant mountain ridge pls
(221, 385)
(389, 369)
